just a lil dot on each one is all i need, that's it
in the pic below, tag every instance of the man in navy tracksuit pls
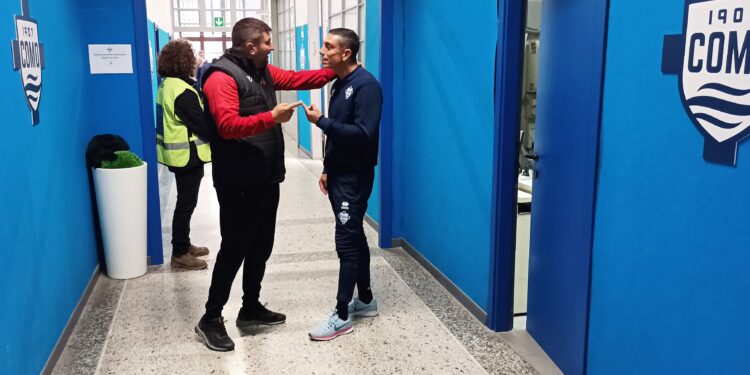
(352, 132)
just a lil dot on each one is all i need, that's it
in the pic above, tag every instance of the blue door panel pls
(571, 59)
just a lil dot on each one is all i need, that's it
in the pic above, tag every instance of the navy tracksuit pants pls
(348, 193)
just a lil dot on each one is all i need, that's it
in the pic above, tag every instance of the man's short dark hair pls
(349, 40)
(248, 30)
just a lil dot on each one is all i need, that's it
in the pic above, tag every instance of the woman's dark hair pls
(177, 59)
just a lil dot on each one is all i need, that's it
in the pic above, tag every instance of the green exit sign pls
(219, 21)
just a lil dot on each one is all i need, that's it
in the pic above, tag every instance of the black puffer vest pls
(257, 160)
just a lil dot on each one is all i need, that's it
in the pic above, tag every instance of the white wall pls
(160, 12)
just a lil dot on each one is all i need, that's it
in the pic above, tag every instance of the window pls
(194, 20)
(349, 14)
(286, 31)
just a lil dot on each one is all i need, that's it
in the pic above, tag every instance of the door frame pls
(508, 70)
(511, 16)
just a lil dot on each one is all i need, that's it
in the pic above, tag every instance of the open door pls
(571, 66)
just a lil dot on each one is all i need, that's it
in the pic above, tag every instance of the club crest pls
(28, 59)
(712, 60)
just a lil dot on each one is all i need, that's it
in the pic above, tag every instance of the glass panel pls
(196, 46)
(335, 22)
(187, 4)
(189, 18)
(191, 34)
(350, 3)
(249, 13)
(336, 7)
(213, 49)
(351, 19)
(248, 4)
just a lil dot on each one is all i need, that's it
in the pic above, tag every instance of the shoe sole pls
(366, 314)
(248, 323)
(334, 335)
(177, 265)
(208, 345)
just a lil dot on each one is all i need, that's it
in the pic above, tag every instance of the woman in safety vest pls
(180, 143)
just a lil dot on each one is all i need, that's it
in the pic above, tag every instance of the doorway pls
(558, 151)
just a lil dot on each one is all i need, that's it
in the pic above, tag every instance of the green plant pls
(124, 159)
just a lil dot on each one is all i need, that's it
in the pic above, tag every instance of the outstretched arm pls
(302, 80)
(224, 103)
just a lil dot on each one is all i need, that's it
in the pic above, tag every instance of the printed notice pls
(111, 58)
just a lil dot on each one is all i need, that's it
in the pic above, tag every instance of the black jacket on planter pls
(256, 160)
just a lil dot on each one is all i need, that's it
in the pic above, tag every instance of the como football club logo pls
(28, 58)
(712, 60)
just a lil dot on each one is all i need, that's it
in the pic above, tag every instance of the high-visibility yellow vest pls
(172, 136)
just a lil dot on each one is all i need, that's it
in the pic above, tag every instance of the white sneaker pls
(359, 308)
(331, 328)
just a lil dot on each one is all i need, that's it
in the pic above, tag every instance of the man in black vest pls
(248, 166)
(352, 134)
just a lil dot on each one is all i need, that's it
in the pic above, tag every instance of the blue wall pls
(670, 258)
(46, 220)
(153, 50)
(152, 30)
(163, 38)
(443, 136)
(372, 64)
(303, 126)
(45, 216)
(117, 111)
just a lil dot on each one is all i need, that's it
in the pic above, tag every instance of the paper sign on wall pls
(111, 58)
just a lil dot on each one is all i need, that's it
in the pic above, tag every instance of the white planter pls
(121, 202)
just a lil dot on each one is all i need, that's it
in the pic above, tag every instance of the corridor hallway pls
(145, 325)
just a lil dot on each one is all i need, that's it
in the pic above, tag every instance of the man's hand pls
(313, 113)
(283, 111)
(323, 183)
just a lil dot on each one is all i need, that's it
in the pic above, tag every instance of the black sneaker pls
(214, 334)
(259, 315)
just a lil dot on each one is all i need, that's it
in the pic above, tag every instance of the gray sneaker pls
(331, 328)
(359, 308)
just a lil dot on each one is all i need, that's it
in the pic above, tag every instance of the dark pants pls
(188, 184)
(248, 221)
(348, 193)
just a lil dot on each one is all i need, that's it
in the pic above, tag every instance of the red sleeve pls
(224, 102)
(302, 80)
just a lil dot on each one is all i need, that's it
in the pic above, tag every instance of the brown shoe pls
(188, 261)
(198, 251)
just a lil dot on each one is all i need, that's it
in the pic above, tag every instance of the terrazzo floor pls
(145, 325)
